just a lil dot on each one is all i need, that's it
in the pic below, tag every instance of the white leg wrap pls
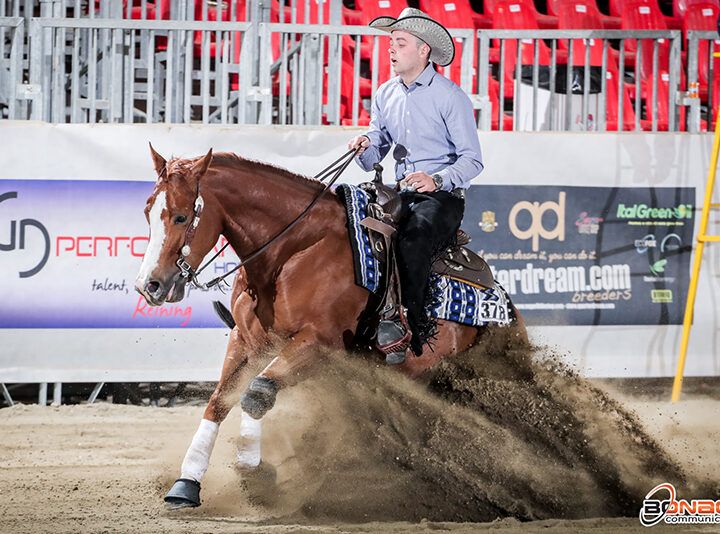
(197, 458)
(248, 451)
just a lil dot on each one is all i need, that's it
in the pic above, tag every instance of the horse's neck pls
(258, 206)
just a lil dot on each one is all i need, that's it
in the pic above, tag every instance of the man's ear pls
(158, 160)
(200, 167)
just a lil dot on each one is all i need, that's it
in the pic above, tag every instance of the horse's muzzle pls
(157, 292)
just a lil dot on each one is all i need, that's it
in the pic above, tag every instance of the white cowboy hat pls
(414, 21)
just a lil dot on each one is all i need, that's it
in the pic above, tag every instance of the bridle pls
(186, 270)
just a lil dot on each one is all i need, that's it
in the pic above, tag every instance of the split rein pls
(186, 271)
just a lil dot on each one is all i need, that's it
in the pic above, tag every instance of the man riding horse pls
(432, 120)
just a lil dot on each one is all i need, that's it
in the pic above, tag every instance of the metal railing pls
(317, 85)
(612, 64)
(709, 44)
(12, 31)
(107, 70)
(87, 68)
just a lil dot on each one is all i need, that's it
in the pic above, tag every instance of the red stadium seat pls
(703, 17)
(543, 22)
(584, 14)
(494, 93)
(453, 14)
(346, 94)
(608, 23)
(641, 15)
(618, 6)
(581, 15)
(612, 106)
(663, 92)
(644, 15)
(680, 7)
(514, 15)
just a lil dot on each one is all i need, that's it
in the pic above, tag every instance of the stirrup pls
(393, 339)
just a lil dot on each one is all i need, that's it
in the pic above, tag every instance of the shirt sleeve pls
(462, 130)
(380, 140)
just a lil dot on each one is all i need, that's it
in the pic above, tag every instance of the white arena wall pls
(43, 151)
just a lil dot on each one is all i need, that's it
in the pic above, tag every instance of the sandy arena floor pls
(349, 457)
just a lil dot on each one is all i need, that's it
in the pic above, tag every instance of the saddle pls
(456, 262)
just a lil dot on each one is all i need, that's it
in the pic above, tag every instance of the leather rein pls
(187, 272)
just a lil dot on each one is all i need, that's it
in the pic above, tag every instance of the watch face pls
(438, 180)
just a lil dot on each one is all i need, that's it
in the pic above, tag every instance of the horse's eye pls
(180, 219)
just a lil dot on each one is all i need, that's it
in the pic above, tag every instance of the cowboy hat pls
(434, 34)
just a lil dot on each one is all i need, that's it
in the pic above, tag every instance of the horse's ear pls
(158, 160)
(200, 167)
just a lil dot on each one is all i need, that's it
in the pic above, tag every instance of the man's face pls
(405, 54)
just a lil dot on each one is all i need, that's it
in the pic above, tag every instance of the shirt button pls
(408, 113)
(408, 131)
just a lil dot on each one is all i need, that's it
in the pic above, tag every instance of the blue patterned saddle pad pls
(456, 300)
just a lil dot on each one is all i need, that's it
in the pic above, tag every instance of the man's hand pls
(360, 141)
(420, 181)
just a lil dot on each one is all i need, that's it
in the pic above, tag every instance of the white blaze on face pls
(157, 240)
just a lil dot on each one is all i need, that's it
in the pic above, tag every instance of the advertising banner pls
(566, 255)
(587, 255)
(73, 232)
(70, 251)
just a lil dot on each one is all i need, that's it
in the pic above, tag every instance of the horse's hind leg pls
(246, 341)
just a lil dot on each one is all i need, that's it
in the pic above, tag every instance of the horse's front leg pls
(284, 370)
(246, 342)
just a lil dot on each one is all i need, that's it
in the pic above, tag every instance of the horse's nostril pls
(153, 286)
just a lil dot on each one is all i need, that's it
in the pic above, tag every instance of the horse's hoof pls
(259, 396)
(185, 493)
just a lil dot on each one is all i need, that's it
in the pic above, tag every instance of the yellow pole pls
(689, 306)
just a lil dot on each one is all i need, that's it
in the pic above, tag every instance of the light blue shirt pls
(434, 120)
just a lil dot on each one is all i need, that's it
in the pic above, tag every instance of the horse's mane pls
(233, 161)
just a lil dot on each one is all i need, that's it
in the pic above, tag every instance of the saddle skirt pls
(463, 285)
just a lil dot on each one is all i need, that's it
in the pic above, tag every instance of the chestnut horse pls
(302, 287)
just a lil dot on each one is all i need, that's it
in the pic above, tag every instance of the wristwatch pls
(438, 181)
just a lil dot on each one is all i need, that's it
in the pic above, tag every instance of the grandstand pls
(634, 65)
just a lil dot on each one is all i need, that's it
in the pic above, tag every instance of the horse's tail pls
(224, 314)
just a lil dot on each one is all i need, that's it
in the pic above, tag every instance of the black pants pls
(429, 223)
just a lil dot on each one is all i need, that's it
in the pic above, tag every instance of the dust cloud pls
(499, 431)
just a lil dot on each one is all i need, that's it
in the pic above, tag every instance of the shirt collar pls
(425, 77)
